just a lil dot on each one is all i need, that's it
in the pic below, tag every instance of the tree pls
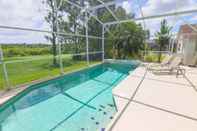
(129, 37)
(52, 20)
(74, 17)
(163, 37)
(74, 24)
(55, 18)
(130, 40)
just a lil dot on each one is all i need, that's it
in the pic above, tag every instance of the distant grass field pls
(41, 67)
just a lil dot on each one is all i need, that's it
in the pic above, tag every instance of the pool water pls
(80, 101)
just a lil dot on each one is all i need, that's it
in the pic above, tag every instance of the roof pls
(187, 29)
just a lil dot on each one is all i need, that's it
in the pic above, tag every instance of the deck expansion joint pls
(191, 83)
(129, 102)
(168, 111)
(163, 81)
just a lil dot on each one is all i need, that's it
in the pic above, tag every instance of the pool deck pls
(156, 102)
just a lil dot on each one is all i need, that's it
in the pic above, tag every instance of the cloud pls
(154, 7)
(10, 36)
(31, 13)
(22, 13)
(130, 6)
(127, 6)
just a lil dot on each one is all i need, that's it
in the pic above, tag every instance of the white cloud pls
(154, 7)
(21, 37)
(25, 13)
(162, 6)
(31, 13)
(22, 13)
(127, 6)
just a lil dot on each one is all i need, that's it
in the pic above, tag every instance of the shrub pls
(152, 57)
(14, 51)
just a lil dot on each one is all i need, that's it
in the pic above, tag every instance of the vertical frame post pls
(60, 56)
(172, 46)
(57, 38)
(103, 43)
(4, 68)
(87, 39)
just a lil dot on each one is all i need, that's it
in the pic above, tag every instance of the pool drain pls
(111, 105)
(102, 106)
(111, 117)
(100, 109)
(104, 113)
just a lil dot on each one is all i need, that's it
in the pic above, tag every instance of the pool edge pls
(6, 98)
(122, 102)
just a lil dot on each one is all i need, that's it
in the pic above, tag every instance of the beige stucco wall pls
(187, 45)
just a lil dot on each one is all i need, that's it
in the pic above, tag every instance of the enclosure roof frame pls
(152, 17)
(94, 16)
(110, 11)
(101, 6)
(106, 25)
(117, 21)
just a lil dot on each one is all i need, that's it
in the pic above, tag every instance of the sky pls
(31, 13)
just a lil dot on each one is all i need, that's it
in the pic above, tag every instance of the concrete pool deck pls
(153, 102)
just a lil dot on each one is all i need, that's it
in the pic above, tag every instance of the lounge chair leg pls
(180, 72)
(177, 74)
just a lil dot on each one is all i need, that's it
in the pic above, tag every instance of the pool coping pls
(126, 99)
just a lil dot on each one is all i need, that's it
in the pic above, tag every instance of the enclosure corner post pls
(4, 69)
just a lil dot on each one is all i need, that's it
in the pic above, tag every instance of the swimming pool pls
(80, 101)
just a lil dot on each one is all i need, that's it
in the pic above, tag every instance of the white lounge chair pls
(173, 65)
(164, 62)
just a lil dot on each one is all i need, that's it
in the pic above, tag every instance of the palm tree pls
(163, 37)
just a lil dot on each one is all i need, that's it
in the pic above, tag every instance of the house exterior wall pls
(180, 45)
(187, 45)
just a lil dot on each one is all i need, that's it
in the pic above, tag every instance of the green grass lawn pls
(40, 68)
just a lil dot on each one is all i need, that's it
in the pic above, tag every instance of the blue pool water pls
(80, 101)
